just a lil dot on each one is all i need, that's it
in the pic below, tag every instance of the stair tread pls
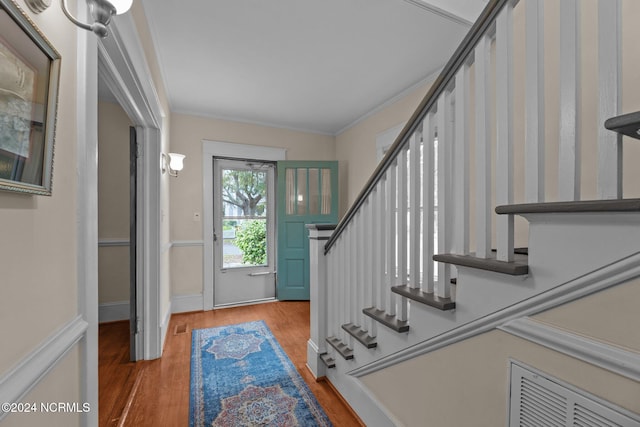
(361, 335)
(429, 299)
(619, 205)
(626, 124)
(515, 268)
(340, 347)
(328, 360)
(386, 319)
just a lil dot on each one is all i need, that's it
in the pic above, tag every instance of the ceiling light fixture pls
(101, 11)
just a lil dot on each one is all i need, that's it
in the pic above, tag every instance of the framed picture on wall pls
(29, 79)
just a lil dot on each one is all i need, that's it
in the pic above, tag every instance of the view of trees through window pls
(244, 217)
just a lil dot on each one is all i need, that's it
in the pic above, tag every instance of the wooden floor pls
(156, 393)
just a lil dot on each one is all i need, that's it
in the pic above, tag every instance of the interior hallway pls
(156, 392)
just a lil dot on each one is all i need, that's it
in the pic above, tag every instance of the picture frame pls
(29, 83)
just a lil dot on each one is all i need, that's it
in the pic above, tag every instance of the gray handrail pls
(479, 29)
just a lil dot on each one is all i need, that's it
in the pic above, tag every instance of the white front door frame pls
(210, 150)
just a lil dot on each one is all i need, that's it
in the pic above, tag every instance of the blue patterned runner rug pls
(240, 376)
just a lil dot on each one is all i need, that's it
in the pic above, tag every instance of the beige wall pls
(356, 146)
(473, 374)
(187, 133)
(38, 246)
(113, 201)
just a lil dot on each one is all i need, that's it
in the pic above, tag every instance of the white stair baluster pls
(570, 104)
(361, 253)
(483, 149)
(534, 101)
(403, 233)
(414, 191)
(504, 131)
(609, 99)
(379, 248)
(428, 229)
(444, 191)
(392, 238)
(461, 162)
(372, 233)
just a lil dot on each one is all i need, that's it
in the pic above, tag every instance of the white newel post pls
(316, 346)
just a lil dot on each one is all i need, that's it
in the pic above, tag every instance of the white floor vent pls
(538, 400)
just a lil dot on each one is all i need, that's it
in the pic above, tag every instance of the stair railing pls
(418, 201)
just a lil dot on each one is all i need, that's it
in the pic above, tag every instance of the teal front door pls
(307, 194)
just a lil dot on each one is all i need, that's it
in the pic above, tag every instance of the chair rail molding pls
(15, 384)
(612, 358)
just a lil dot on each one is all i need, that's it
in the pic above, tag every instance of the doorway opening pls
(243, 231)
(214, 234)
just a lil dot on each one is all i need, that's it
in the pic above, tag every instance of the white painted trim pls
(441, 12)
(187, 243)
(186, 303)
(598, 280)
(615, 359)
(87, 213)
(375, 405)
(242, 151)
(125, 70)
(113, 311)
(164, 327)
(210, 150)
(233, 119)
(103, 243)
(15, 384)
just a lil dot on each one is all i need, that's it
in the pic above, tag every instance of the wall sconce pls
(101, 12)
(172, 163)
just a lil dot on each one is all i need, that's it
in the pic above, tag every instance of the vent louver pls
(541, 401)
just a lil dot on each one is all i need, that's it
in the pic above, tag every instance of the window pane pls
(302, 196)
(326, 192)
(244, 243)
(244, 193)
(290, 197)
(244, 217)
(314, 191)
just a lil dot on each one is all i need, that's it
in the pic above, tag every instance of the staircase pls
(426, 257)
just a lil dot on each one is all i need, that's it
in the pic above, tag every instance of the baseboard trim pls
(20, 380)
(603, 355)
(186, 303)
(113, 311)
(598, 280)
(342, 399)
(164, 327)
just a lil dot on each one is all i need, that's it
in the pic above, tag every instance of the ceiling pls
(317, 66)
